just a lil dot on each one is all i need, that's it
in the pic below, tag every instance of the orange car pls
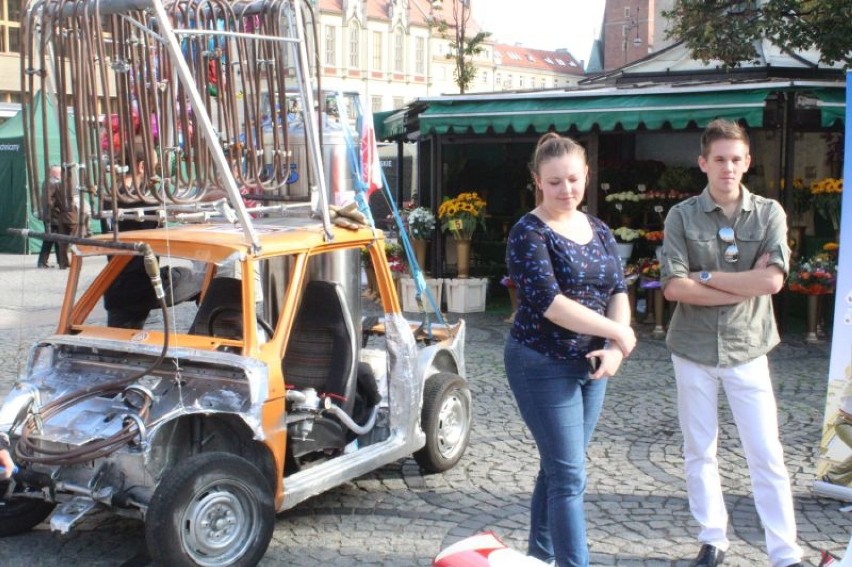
(258, 380)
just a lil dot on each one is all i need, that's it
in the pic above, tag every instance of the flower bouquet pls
(654, 236)
(826, 195)
(626, 203)
(816, 275)
(462, 214)
(649, 273)
(625, 234)
(801, 196)
(420, 222)
(649, 268)
(396, 259)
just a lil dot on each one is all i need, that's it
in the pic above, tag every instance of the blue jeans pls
(560, 404)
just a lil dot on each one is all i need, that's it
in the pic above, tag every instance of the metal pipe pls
(349, 422)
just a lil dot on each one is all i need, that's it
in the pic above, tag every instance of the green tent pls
(15, 209)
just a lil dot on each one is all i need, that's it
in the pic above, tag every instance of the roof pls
(559, 61)
(675, 63)
(419, 11)
(609, 108)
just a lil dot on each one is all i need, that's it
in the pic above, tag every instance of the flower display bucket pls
(408, 294)
(420, 246)
(465, 295)
(463, 257)
(625, 251)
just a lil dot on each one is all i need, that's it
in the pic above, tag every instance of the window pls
(377, 51)
(485, 78)
(330, 45)
(398, 102)
(509, 81)
(398, 52)
(627, 11)
(376, 103)
(521, 81)
(10, 27)
(354, 46)
(420, 56)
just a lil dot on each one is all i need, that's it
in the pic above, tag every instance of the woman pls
(571, 331)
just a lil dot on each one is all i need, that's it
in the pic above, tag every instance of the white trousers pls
(748, 388)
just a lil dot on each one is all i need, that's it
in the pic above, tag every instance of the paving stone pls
(637, 509)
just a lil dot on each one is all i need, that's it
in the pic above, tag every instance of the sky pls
(543, 24)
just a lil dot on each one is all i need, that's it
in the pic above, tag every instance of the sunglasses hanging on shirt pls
(732, 253)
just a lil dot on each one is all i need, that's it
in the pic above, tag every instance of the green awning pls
(389, 124)
(585, 111)
(832, 105)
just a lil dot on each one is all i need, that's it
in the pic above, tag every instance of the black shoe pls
(708, 556)
(799, 564)
(43, 266)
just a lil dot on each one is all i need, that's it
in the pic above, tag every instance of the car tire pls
(446, 421)
(20, 515)
(211, 509)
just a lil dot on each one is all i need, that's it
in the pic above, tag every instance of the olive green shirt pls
(724, 335)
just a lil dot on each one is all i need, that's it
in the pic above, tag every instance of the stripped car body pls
(219, 394)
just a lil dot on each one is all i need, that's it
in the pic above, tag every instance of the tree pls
(462, 48)
(726, 30)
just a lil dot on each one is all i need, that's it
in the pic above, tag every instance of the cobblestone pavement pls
(637, 508)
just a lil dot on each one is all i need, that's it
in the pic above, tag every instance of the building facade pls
(394, 51)
(388, 51)
(633, 29)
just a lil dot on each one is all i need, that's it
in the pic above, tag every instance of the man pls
(58, 215)
(725, 253)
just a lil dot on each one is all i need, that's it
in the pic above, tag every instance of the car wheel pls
(211, 509)
(20, 515)
(446, 421)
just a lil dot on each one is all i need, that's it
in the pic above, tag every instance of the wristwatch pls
(704, 276)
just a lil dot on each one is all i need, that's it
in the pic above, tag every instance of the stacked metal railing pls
(174, 108)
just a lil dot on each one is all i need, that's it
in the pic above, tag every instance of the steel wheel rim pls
(452, 425)
(219, 524)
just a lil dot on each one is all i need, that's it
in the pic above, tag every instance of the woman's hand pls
(625, 339)
(609, 361)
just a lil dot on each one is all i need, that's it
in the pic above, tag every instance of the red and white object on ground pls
(483, 550)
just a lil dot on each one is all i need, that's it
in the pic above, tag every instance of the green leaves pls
(727, 30)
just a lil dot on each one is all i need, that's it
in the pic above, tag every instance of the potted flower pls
(626, 237)
(396, 259)
(461, 216)
(649, 270)
(626, 204)
(826, 195)
(813, 277)
(816, 275)
(655, 239)
(420, 224)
